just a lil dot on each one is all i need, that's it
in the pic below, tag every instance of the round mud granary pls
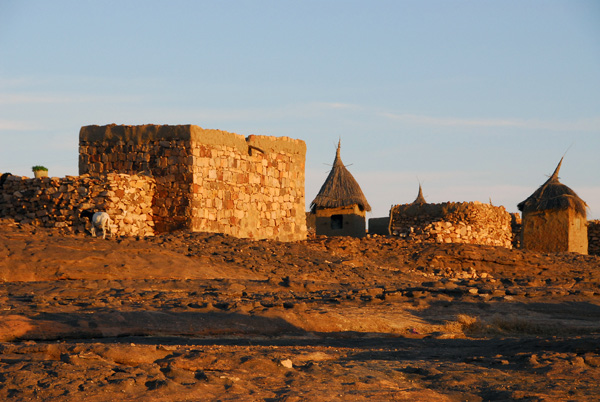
(554, 219)
(340, 206)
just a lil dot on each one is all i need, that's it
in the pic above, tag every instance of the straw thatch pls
(553, 195)
(420, 199)
(340, 189)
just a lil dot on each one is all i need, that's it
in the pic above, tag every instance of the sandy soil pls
(195, 317)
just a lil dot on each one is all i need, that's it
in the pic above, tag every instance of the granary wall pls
(554, 231)
(537, 226)
(208, 180)
(593, 231)
(464, 222)
(57, 202)
(341, 221)
(578, 236)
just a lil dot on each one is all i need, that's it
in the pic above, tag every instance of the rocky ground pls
(194, 317)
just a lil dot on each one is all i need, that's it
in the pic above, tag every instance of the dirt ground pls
(206, 317)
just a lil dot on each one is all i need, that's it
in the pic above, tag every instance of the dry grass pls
(340, 189)
(553, 195)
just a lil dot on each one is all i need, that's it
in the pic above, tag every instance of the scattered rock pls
(287, 363)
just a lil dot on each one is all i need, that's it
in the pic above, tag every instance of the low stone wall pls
(57, 202)
(465, 222)
(594, 237)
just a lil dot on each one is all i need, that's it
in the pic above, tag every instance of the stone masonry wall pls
(162, 151)
(57, 202)
(465, 222)
(255, 192)
(594, 237)
(208, 180)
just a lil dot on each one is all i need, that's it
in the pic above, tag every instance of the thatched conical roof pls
(553, 195)
(420, 199)
(340, 189)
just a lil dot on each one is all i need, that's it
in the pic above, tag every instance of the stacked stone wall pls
(57, 202)
(594, 237)
(466, 222)
(162, 151)
(208, 180)
(249, 192)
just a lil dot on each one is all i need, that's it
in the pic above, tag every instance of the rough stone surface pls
(207, 317)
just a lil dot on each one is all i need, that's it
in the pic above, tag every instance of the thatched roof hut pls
(420, 199)
(553, 195)
(340, 189)
(554, 218)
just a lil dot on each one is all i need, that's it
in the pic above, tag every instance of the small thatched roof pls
(340, 189)
(420, 199)
(553, 195)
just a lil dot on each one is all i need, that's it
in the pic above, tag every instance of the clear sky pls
(477, 100)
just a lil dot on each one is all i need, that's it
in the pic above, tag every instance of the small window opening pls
(337, 222)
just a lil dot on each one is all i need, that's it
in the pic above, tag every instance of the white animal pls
(100, 220)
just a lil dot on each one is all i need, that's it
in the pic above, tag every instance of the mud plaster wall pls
(379, 226)
(465, 222)
(57, 202)
(208, 180)
(554, 231)
(352, 221)
(578, 236)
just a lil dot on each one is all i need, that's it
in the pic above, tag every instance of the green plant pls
(38, 167)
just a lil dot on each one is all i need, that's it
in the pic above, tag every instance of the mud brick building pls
(207, 180)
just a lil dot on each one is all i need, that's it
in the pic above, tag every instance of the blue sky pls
(477, 100)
